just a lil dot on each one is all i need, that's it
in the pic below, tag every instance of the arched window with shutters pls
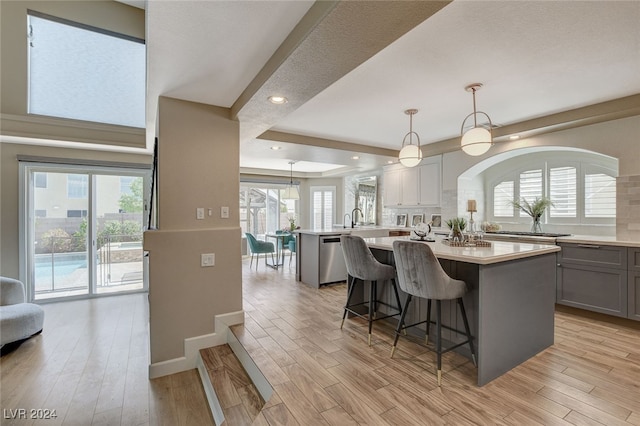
(582, 188)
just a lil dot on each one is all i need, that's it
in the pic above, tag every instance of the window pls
(76, 213)
(502, 197)
(262, 210)
(563, 191)
(599, 195)
(40, 213)
(77, 186)
(85, 73)
(581, 186)
(40, 180)
(530, 187)
(125, 184)
(322, 206)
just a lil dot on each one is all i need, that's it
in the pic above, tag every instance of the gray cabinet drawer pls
(594, 255)
(596, 289)
(634, 296)
(634, 259)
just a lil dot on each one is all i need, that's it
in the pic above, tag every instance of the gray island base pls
(510, 303)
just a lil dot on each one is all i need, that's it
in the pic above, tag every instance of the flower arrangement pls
(534, 209)
(292, 223)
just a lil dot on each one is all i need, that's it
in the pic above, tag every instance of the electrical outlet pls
(200, 213)
(207, 259)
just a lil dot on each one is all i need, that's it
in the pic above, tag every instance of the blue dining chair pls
(283, 243)
(292, 248)
(258, 247)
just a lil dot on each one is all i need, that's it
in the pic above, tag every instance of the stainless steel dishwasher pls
(332, 267)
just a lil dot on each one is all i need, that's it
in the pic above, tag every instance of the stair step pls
(237, 396)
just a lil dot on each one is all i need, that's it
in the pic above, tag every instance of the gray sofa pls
(18, 320)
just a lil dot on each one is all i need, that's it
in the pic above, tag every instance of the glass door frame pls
(27, 170)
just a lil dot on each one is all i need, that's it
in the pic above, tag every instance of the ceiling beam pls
(616, 109)
(331, 40)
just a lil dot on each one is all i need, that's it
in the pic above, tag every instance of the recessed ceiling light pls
(390, 162)
(275, 148)
(514, 137)
(278, 100)
(355, 157)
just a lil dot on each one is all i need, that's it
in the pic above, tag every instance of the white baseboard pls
(192, 346)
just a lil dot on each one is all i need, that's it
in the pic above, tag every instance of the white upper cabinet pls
(413, 186)
(392, 192)
(430, 183)
(410, 190)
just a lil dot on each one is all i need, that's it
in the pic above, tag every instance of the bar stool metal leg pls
(351, 287)
(373, 304)
(426, 338)
(439, 339)
(400, 326)
(467, 330)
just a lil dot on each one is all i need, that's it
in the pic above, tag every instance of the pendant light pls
(291, 192)
(478, 139)
(410, 154)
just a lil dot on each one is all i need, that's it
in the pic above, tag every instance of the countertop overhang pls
(500, 251)
(348, 230)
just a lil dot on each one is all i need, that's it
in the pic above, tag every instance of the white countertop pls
(500, 251)
(591, 239)
(338, 230)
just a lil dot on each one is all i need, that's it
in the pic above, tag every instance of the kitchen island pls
(510, 303)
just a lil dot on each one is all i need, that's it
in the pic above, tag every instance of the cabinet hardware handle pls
(559, 265)
(588, 246)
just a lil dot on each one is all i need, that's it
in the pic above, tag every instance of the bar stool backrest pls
(420, 273)
(360, 262)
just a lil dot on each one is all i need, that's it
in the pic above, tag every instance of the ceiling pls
(350, 69)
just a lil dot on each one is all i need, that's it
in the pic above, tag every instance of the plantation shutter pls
(502, 197)
(599, 195)
(563, 191)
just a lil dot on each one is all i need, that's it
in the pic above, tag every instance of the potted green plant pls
(534, 209)
(457, 226)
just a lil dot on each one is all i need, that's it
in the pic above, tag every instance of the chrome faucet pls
(344, 220)
(353, 216)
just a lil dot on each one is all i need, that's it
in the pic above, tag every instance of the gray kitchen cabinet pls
(593, 277)
(633, 303)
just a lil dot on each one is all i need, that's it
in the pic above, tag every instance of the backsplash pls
(628, 208)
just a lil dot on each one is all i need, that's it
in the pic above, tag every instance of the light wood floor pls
(91, 363)
(326, 376)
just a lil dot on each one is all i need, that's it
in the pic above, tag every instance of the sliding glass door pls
(83, 230)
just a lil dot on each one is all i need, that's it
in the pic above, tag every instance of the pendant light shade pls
(410, 154)
(291, 191)
(478, 139)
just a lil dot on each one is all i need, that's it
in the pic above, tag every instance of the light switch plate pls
(200, 213)
(207, 259)
(224, 212)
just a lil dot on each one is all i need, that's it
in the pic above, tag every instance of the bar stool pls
(421, 275)
(361, 265)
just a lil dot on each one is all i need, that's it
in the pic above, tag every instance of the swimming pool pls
(60, 267)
